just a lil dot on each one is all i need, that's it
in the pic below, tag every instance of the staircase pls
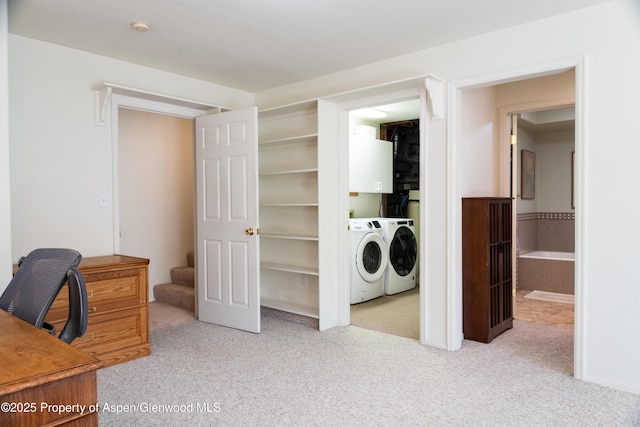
(181, 291)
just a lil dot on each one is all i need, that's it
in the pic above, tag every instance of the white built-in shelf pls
(290, 139)
(287, 236)
(290, 307)
(297, 108)
(289, 204)
(289, 172)
(289, 268)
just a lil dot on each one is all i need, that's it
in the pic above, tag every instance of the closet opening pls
(384, 197)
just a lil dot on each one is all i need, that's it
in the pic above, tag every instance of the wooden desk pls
(38, 371)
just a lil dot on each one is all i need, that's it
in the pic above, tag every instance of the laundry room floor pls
(397, 314)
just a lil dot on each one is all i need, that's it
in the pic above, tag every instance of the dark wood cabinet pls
(486, 268)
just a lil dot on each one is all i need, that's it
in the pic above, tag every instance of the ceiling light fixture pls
(140, 26)
(370, 113)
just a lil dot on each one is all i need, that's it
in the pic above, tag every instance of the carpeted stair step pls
(176, 295)
(181, 291)
(184, 276)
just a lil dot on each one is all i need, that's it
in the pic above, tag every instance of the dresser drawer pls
(106, 291)
(113, 331)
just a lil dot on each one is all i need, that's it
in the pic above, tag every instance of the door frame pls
(131, 102)
(380, 95)
(454, 103)
(506, 116)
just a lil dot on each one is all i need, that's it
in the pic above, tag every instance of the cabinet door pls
(227, 219)
(500, 262)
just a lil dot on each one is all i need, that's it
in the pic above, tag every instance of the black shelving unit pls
(405, 136)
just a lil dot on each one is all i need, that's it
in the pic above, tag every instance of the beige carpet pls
(163, 316)
(291, 374)
(397, 314)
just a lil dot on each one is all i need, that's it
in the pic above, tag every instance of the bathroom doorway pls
(543, 152)
(484, 155)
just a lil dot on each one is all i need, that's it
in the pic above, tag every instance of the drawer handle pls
(93, 353)
(90, 293)
(93, 309)
(87, 337)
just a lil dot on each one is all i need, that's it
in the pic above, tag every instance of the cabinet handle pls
(93, 309)
(87, 337)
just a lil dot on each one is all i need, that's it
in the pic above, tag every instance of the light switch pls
(104, 200)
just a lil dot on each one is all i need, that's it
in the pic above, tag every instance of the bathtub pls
(548, 271)
(558, 256)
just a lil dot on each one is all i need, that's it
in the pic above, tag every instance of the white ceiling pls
(549, 120)
(255, 45)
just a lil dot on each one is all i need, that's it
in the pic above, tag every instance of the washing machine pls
(400, 238)
(369, 259)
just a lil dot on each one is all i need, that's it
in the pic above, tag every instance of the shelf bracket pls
(435, 92)
(101, 98)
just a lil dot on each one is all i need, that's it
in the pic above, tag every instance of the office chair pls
(40, 277)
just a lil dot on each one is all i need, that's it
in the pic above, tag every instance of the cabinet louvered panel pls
(486, 267)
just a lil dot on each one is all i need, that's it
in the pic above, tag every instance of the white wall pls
(611, 339)
(156, 177)
(477, 151)
(60, 160)
(553, 171)
(5, 187)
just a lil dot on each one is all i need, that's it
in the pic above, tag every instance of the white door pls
(227, 219)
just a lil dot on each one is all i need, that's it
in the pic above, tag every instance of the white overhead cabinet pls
(370, 162)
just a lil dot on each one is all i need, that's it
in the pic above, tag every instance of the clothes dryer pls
(369, 259)
(400, 238)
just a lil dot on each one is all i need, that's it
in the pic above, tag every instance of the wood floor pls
(549, 313)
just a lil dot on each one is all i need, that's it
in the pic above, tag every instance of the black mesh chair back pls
(36, 284)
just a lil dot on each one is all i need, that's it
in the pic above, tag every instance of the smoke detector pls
(140, 26)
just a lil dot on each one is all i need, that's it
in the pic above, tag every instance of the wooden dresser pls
(118, 328)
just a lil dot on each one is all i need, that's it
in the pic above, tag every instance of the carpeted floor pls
(162, 316)
(291, 374)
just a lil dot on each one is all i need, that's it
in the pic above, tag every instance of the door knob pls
(249, 231)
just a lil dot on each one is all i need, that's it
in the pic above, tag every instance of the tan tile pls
(545, 312)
